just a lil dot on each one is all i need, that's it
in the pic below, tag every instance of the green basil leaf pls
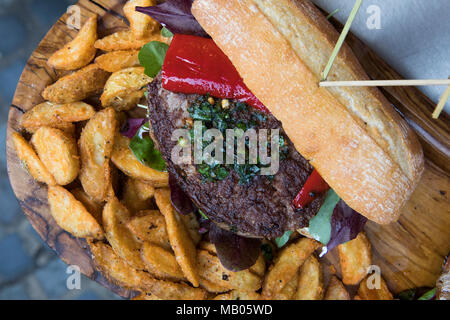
(152, 57)
(428, 295)
(281, 241)
(144, 149)
(166, 33)
(320, 225)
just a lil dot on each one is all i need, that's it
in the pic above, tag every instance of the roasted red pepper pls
(197, 65)
(314, 186)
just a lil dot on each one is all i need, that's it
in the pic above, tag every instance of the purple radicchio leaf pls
(181, 202)
(346, 224)
(131, 127)
(176, 16)
(236, 253)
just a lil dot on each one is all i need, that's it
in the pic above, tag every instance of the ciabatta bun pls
(352, 136)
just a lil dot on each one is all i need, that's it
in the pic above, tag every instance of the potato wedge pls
(141, 24)
(80, 51)
(131, 199)
(289, 260)
(192, 226)
(211, 286)
(289, 290)
(118, 271)
(56, 116)
(93, 207)
(310, 280)
(66, 127)
(77, 86)
(96, 144)
(355, 258)
(71, 215)
(150, 226)
(144, 190)
(259, 268)
(161, 262)
(336, 290)
(209, 267)
(146, 296)
(115, 217)
(125, 40)
(30, 161)
(180, 240)
(238, 295)
(207, 246)
(125, 88)
(125, 160)
(380, 293)
(115, 61)
(58, 152)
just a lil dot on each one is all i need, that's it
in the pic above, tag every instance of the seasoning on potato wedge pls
(211, 286)
(355, 258)
(125, 40)
(115, 61)
(289, 290)
(125, 88)
(58, 152)
(141, 24)
(77, 86)
(57, 116)
(125, 160)
(80, 51)
(336, 290)
(71, 215)
(118, 271)
(310, 280)
(30, 161)
(180, 240)
(115, 217)
(161, 262)
(96, 143)
(286, 265)
(150, 226)
(210, 267)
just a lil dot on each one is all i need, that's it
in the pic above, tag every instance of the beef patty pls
(261, 208)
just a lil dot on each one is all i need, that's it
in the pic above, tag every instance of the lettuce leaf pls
(144, 149)
(176, 16)
(336, 222)
(180, 201)
(236, 253)
(131, 127)
(152, 56)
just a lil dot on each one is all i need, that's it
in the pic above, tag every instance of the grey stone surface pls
(28, 268)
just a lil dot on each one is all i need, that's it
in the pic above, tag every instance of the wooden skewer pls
(441, 103)
(386, 83)
(341, 39)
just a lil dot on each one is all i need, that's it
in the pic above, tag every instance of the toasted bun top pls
(363, 149)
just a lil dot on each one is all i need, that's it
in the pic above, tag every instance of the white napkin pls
(414, 36)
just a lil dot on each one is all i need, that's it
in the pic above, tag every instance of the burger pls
(344, 155)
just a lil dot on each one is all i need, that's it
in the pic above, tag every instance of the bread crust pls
(363, 149)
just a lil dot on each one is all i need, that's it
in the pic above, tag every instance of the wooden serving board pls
(409, 252)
